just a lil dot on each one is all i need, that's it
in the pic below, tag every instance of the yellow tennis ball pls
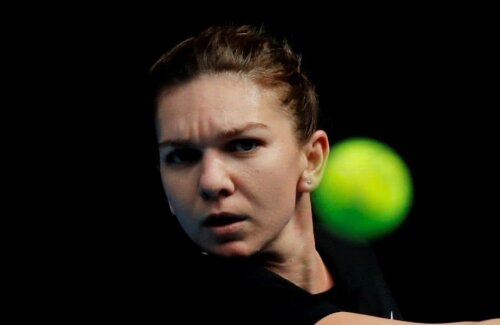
(366, 191)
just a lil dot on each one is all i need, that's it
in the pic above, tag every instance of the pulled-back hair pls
(249, 52)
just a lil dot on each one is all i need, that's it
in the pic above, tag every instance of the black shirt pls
(243, 292)
(226, 291)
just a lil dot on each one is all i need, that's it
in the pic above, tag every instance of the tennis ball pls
(366, 191)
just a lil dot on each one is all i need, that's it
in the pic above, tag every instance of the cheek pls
(176, 190)
(178, 202)
(277, 174)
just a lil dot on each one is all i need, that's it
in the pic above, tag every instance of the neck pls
(293, 255)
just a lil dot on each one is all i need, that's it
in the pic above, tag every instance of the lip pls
(224, 223)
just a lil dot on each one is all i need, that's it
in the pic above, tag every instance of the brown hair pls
(243, 50)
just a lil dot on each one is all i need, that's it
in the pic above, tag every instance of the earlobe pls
(316, 153)
(305, 184)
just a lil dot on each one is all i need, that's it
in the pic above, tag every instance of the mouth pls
(222, 220)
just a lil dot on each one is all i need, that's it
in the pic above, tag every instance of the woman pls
(240, 154)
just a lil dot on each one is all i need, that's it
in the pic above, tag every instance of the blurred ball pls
(366, 191)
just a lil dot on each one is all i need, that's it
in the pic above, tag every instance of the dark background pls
(420, 81)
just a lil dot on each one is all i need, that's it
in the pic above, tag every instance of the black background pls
(422, 81)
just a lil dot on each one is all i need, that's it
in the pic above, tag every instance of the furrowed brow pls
(226, 134)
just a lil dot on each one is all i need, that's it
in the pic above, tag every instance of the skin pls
(344, 318)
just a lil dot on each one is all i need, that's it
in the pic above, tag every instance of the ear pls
(316, 153)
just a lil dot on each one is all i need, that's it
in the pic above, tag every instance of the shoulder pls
(346, 258)
(358, 276)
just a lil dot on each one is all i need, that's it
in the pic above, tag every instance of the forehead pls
(214, 103)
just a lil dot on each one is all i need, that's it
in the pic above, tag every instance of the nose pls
(215, 181)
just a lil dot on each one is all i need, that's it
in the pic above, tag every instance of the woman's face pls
(230, 163)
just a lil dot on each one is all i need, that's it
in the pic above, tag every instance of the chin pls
(232, 249)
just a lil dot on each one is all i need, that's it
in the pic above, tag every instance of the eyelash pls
(185, 156)
(182, 156)
(234, 143)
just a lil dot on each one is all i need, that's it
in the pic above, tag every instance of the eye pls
(244, 145)
(182, 156)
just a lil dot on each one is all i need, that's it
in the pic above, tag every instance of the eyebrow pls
(226, 134)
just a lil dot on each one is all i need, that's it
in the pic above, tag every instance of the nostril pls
(213, 195)
(205, 195)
